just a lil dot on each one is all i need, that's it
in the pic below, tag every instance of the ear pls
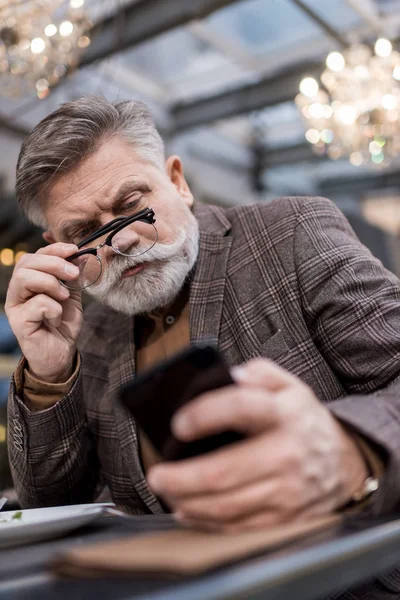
(174, 170)
(48, 237)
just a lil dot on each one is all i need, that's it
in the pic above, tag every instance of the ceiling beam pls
(142, 21)
(368, 10)
(359, 184)
(290, 155)
(270, 91)
(324, 25)
(227, 45)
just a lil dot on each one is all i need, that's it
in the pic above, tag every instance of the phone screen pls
(155, 396)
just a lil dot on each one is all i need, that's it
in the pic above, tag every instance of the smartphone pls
(156, 394)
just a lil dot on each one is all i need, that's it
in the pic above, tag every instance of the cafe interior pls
(261, 99)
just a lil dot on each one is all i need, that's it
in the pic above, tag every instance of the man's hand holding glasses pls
(43, 302)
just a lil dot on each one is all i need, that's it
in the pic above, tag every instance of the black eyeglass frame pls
(113, 227)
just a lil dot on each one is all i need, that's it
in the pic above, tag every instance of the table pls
(324, 563)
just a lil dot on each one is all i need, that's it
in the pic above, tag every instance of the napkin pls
(179, 552)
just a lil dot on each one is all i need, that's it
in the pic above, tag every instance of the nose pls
(107, 252)
(126, 239)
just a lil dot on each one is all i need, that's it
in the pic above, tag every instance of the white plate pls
(42, 523)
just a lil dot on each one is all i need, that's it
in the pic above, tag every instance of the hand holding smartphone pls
(156, 394)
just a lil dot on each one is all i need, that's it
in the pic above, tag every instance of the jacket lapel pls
(207, 287)
(121, 351)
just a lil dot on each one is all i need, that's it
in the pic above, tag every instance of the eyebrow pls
(71, 227)
(129, 187)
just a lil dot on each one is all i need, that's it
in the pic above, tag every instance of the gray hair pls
(73, 132)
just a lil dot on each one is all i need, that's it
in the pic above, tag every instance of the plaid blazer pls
(287, 280)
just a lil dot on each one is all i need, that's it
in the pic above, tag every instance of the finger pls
(248, 410)
(264, 373)
(42, 308)
(53, 265)
(286, 494)
(266, 518)
(274, 518)
(234, 504)
(226, 468)
(26, 283)
(58, 249)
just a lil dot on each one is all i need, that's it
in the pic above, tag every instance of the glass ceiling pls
(174, 55)
(337, 13)
(269, 26)
(244, 42)
(264, 26)
(388, 5)
(237, 44)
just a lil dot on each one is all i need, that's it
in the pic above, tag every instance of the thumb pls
(261, 372)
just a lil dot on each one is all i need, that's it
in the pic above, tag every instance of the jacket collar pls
(207, 288)
(212, 219)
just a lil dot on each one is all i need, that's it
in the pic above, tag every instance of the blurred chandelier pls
(358, 114)
(40, 42)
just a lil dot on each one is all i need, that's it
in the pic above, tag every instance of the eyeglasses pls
(127, 236)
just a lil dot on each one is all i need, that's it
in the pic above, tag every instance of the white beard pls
(158, 284)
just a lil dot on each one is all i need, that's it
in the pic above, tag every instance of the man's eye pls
(80, 235)
(132, 204)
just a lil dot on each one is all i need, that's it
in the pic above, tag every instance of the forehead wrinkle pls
(91, 187)
(84, 174)
(83, 216)
(83, 183)
(82, 206)
(109, 173)
(114, 155)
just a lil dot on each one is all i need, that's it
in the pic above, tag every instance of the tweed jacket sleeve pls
(352, 308)
(52, 456)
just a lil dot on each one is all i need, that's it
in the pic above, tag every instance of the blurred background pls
(261, 98)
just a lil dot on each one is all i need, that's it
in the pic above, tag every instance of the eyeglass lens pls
(90, 269)
(133, 240)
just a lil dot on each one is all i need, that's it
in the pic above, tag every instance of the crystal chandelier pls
(355, 112)
(40, 41)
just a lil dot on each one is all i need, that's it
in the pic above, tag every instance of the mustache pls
(159, 283)
(158, 253)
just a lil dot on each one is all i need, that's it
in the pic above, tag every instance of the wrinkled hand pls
(44, 315)
(296, 462)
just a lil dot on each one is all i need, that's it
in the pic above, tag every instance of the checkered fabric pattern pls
(287, 280)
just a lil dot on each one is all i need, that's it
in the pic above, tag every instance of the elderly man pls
(306, 317)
